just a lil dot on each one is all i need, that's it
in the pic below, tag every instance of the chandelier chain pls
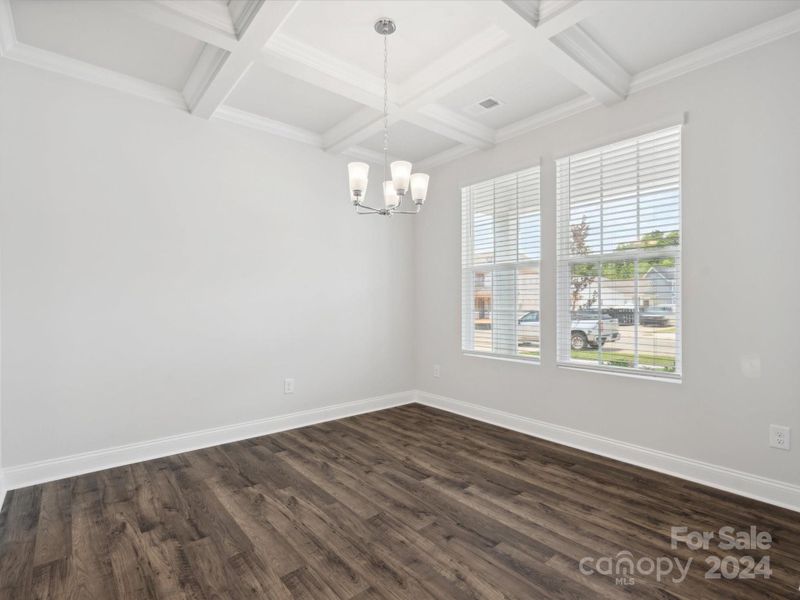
(385, 105)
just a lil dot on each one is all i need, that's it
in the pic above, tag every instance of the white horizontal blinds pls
(500, 258)
(619, 255)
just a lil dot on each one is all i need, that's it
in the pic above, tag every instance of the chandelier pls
(402, 182)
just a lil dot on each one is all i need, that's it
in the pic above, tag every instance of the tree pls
(623, 269)
(583, 274)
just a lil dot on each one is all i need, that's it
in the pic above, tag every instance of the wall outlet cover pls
(780, 437)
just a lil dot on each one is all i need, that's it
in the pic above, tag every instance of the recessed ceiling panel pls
(646, 33)
(409, 142)
(107, 36)
(272, 94)
(522, 87)
(425, 30)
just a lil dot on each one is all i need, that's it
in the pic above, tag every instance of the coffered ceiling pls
(311, 70)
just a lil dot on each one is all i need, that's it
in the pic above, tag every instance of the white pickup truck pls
(588, 330)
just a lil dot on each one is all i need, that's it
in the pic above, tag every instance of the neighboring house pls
(617, 293)
(658, 286)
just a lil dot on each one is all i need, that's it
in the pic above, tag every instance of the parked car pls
(528, 329)
(658, 316)
(588, 330)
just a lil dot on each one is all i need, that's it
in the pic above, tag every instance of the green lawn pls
(625, 359)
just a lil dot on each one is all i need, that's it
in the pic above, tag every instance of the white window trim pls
(467, 290)
(562, 264)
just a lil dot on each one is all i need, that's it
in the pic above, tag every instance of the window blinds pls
(619, 229)
(500, 266)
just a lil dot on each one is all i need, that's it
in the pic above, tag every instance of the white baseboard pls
(767, 490)
(775, 492)
(87, 462)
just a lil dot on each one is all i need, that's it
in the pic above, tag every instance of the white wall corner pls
(87, 462)
(771, 491)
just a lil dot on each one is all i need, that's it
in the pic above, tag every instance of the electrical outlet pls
(437, 371)
(780, 437)
(288, 386)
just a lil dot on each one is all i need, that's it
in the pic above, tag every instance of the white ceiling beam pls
(205, 20)
(218, 71)
(307, 63)
(556, 41)
(290, 132)
(261, 123)
(450, 124)
(304, 62)
(577, 56)
(355, 129)
(466, 62)
(765, 33)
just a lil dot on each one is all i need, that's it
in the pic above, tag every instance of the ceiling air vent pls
(481, 107)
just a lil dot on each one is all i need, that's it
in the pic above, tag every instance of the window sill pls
(620, 373)
(514, 359)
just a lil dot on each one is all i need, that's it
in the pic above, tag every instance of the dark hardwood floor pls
(405, 503)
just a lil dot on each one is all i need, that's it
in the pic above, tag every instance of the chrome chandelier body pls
(402, 182)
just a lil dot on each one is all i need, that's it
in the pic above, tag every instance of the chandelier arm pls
(370, 210)
(407, 212)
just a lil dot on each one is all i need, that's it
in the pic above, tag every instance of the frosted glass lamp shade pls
(358, 173)
(390, 195)
(401, 172)
(419, 187)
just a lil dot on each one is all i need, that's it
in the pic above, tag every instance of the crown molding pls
(242, 12)
(446, 156)
(207, 22)
(253, 121)
(58, 63)
(207, 66)
(211, 14)
(737, 43)
(546, 117)
(449, 123)
(8, 34)
(529, 10)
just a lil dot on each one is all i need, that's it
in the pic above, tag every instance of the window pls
(619, 252)
(500, 266)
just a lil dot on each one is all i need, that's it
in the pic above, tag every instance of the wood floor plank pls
(406, 503)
